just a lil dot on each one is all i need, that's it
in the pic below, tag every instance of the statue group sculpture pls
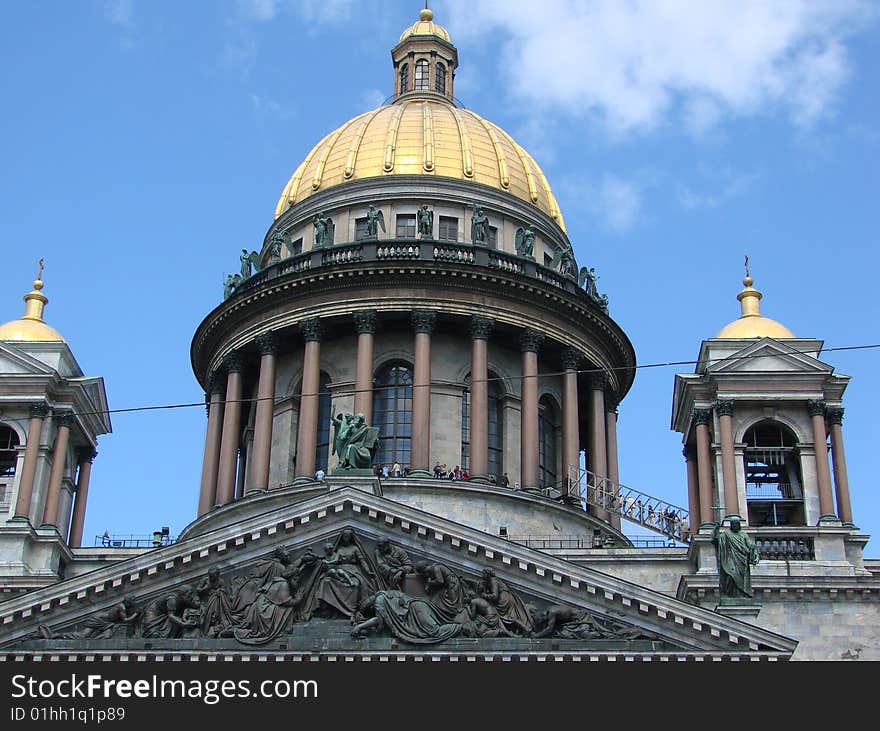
(479, 227)
(425, 222)
(737, 553)
(524, 243)
(354, 442)
(587, 279)
(375, 221)
(382, 591)
(325, 230)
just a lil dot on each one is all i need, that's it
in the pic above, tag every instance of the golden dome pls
(752, 324)
(425, 26)
(30, 327)
(418, 136)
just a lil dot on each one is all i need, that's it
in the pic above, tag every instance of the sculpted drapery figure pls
(249, 260)
(425, 221)
(524, 243)
(232, 281)
(165, 617)
(513, 612)
(375, 221)
(408, 618)
(737, 553)
(393, 563)
(479, 227)
(325, 230)
(216, 605)
(354, 442)
(445, 588)
(99, 625)
(275, 243)
(343, 579)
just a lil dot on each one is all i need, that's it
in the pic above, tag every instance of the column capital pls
(86, 454)
(311, 329)
(267, 343)
(365, 321)
(233, 362)
(65, 418)
(724, 407)
(571, 359)
(612, 401)
(835, 415)
(216, 382)
(480, 327)
(816, 407)
(701, 416)
(597, 380)
(39, 410)
(685, 452)
(531, 340)
(423, 321)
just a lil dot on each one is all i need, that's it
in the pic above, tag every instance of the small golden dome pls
(751, 323)
(30, 327)
(418, 136)
(425, 26)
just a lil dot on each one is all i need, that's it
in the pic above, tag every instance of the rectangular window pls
(448, 230)
(406, 226)
(296, 247)
(493, 237)
(548, 260)
(360, 229)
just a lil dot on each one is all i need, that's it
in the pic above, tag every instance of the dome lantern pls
(751, 323)
(424, 60)
(31, 327)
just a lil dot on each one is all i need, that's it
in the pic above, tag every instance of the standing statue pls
(216, 606)
(393, 563)
(354, 442)
(587, 279)
(525, 242)
(325, 231)
(479, 227)
(249, 261)
(425, 221)
(737, 553)
(232, 281)
(278, 240)
(375, 221)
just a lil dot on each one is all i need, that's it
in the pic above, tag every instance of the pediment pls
(597, 614)
(769, 356)
(14, 361)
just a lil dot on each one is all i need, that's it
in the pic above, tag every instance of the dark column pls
(530, 344)
(816, 409)
(728, 458)
(704, 464)
(59, 462)
(84, 456)
(611, 452)
(213, 433)
(693, 490)
(599, 458)
(306, 432)
(480, 330)
(365, 324)
(231, 434)
(571, 441)
(841, 481)
(259, 469)
(423, 322)
(39, 411)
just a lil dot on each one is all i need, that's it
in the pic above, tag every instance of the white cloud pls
(372, 98)
(614, 202)
(636, 63)
(119, 12)
(314, 11)
(734, 186)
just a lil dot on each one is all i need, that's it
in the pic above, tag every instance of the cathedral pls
(411, 451)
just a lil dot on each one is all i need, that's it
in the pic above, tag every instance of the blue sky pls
(145, 143)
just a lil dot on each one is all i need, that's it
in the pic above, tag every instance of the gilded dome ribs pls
(391, 139)
(319, 170)
(527, 169)
(351, 160)
(467, 152)
(503, 175)
(428, 135)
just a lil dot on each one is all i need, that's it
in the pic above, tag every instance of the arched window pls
(392, 413)
(496, 426)
(547, 452)
(421, 75)
(774, 489)
(404, 78)
(8, 453)
(440, 81)
(322, 441)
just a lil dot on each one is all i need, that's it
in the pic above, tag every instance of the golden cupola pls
(751, 323)
(422, 131)
(30, 327)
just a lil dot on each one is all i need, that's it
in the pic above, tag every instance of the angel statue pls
(587, 280)
(325, 230)
(248, 261)
(425, 219)
(232, 281)
(375, 221)
(563, 261)
(525, 242)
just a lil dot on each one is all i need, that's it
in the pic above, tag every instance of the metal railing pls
(132, 541)
(545, 543)
(772, 491)
(788, 548)
(650, 512)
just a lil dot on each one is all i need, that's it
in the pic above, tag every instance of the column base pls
(572, 501)
(23, 519)
(480, 479)
(419, 474)
(829, 520)
(255, 491)
(302, 480)
(738, 610)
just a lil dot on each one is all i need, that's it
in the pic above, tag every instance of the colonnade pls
(224, 399)
(48, 514)
(701, 488)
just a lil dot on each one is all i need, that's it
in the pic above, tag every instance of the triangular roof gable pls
(769, 355)
(14, 361)
(467, 550)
